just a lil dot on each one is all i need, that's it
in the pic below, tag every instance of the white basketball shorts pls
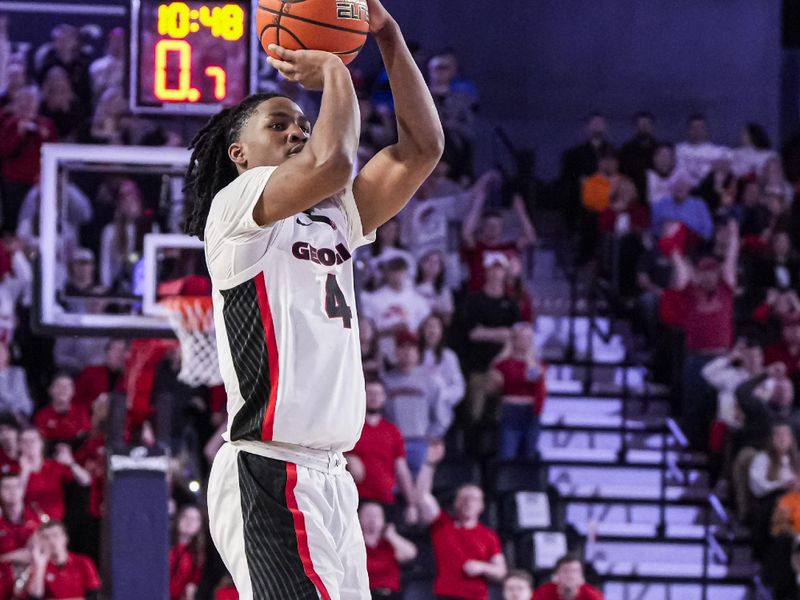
(287, 528)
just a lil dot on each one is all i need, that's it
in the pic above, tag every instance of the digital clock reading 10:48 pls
(177, 20)
(190, 56)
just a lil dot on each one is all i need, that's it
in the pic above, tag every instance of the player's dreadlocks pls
(210, 168)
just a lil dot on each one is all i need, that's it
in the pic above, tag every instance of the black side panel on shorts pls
(248, 344)
(270, 541)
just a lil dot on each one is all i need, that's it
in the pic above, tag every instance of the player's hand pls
(473, 568)
(306, 67)
(378, 16)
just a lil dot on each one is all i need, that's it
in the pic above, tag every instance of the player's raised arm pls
(325, 164)
(387, 182)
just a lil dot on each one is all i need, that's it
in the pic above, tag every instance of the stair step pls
(627, 493)
(663, 568)
(677, 516)
(606, 456)
(623, 475)
(563, 406)
(646, 442)
(641, 531)
(673, 591)
(599, 422)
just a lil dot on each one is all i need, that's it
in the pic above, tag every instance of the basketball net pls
(192, 320)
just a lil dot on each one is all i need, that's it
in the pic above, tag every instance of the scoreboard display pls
(191, 57)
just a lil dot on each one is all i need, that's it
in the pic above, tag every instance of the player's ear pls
(237, 154)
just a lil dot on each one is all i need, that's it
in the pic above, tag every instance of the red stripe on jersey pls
(301, 533)
(272, 353)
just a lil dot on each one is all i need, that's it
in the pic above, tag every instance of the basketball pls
(337, 26)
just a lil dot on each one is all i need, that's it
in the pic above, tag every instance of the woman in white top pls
(14, 396)
(773, 181)
(441, 360)
(753, 152)
(661, 176)
(431, 285)
(777, 468)
(121, 240)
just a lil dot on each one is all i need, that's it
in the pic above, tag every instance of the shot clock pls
(191, 57)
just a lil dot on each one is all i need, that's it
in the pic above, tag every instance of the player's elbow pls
(428, 152)
(421, 150)
(437, 145)
(335, 170)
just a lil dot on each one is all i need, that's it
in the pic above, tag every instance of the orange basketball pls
(338, 26)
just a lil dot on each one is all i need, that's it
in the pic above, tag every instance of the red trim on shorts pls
(272, 353)
(300, 531)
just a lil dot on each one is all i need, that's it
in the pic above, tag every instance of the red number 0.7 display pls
(183, 92)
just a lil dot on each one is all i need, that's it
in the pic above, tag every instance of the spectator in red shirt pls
(518, 585)
(186, 557)
(225, 590)
(378, 460)
(386, 551)
(92, 456)
(18, 523)
(707, 294)
(490, 238)
(62, 420)
(22, 135)
(468, 554)
(56, 572)
(99, 379)
(787, 351)
(45, 479)
(778, 307)
(8, 583)
(706, 299)
(568, 583)
(519, 376)
(9, 444)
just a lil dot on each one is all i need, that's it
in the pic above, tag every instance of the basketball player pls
(281, 215)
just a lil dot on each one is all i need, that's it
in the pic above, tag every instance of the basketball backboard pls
(124, 302)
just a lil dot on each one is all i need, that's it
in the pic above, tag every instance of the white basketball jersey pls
(285, 318)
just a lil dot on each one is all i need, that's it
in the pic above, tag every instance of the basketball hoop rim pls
(183, 312)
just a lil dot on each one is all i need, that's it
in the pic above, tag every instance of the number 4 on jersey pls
(335, 302)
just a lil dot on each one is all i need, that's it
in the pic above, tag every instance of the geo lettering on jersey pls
(326, 257)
